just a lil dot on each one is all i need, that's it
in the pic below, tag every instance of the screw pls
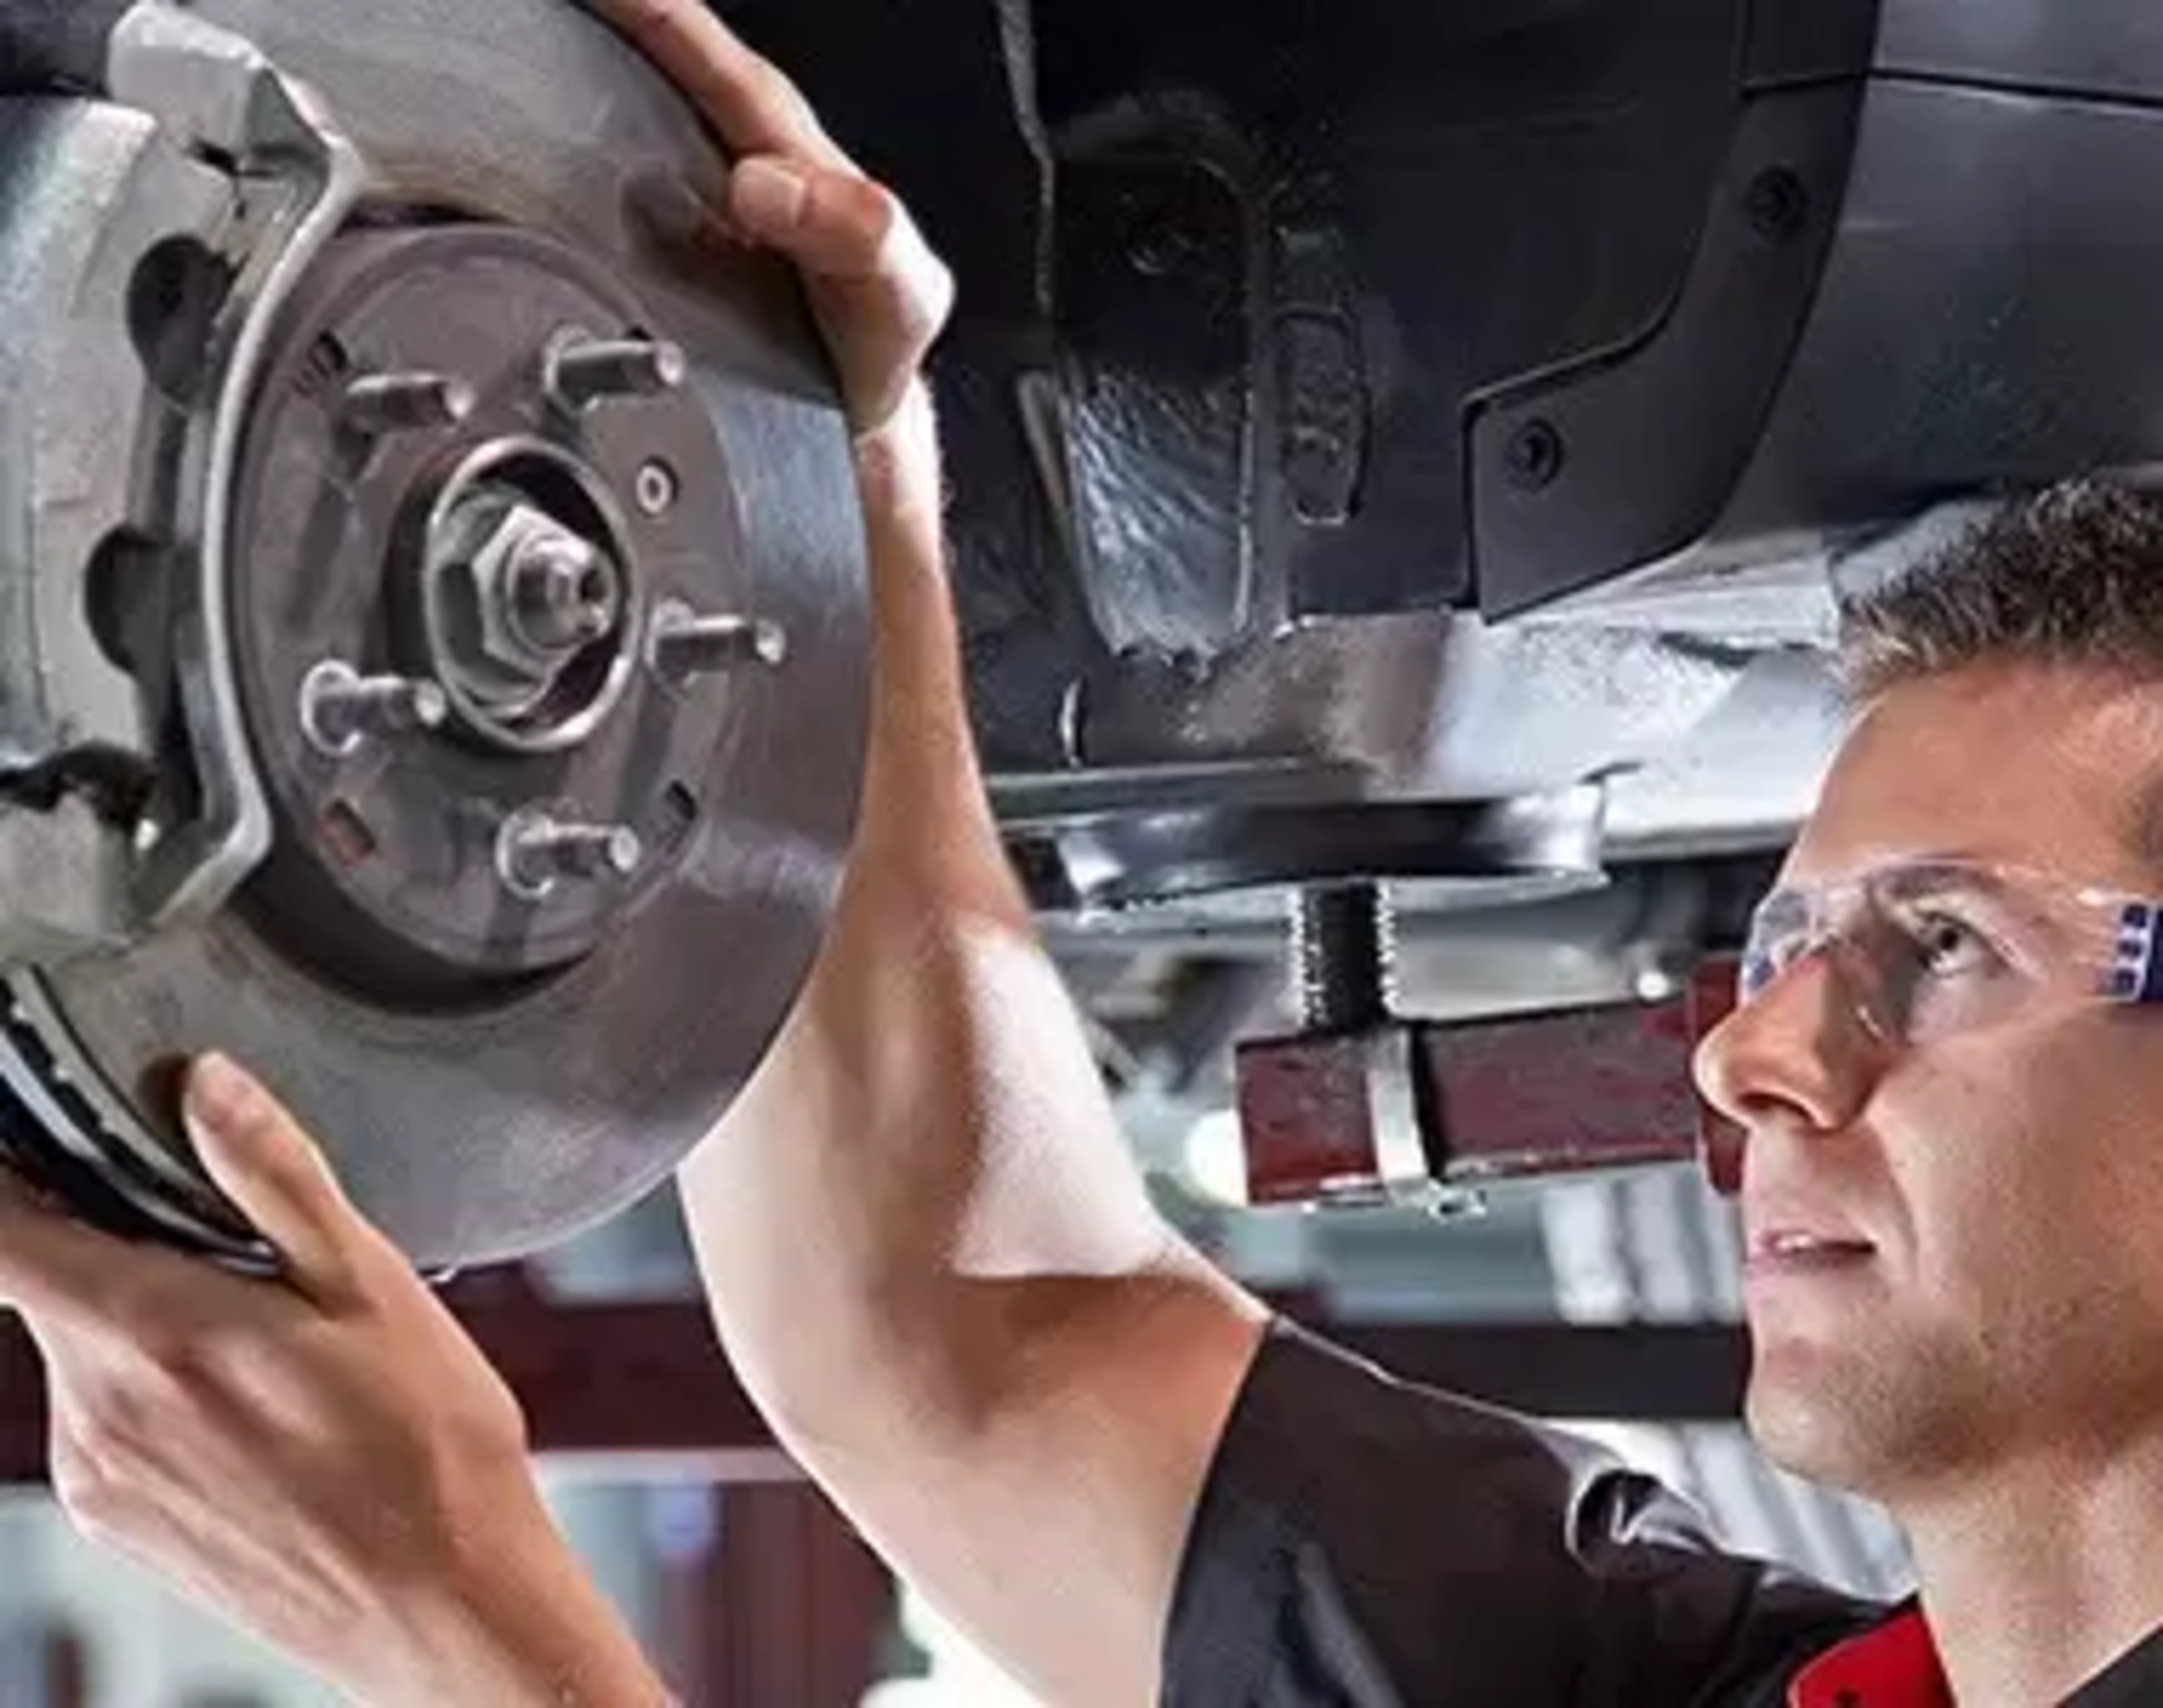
(340, 708)
(583, 371)
(1343, 951)
(685, 644)
(655, 488)
(390, 403)
(1534, 457)
(1778, 203)
(535, 852)
(1159, 248)
(563, 590)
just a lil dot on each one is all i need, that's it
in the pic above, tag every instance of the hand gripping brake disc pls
(433, 634)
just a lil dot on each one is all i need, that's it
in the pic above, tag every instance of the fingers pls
(259, 1157)
(855, 241)
(754, 108)
(883, 294)
(836, 224)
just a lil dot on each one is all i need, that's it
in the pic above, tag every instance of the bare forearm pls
(931, 1124)
(524, 1627)
(931, 1254)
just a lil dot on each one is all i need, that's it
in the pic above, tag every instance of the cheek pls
(2029, 1172)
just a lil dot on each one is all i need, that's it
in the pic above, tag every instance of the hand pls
(880, 296)
(324, 1458)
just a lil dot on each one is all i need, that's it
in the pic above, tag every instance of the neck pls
(2038, 1575)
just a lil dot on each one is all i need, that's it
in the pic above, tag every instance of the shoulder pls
(1364, 1540)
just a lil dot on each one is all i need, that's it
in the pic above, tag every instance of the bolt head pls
(1778, 204)
(1534, 457)
(529, 576)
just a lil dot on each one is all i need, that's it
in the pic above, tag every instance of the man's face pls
(1993, 1193)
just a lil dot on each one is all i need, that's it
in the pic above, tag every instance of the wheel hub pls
(485, 572)
(481, 549)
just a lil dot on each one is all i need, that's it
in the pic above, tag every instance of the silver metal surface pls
(561, 592)
(536, 851)
(384, 403)
(340, 708)
(88, 192)
(584, 371)
(64, 874)
(480, 1135)
(656, 490)
(300, 180)
(685, 644)
(485, 537)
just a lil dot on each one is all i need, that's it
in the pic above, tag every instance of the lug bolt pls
(582, 371)
(685, 644)
(340, 708)
(393, 403)
(535, 852)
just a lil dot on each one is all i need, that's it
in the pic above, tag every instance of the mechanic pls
(1109, 1463)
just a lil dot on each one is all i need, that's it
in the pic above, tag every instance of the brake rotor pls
(476, 754)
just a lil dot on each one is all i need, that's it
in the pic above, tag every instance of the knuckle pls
(101, 1447)
(155, 1338)
(940, 291)
(92, 1501)
(766, 87)
(643, 17)
(177, 1368)
(884, 225)
(876, 208)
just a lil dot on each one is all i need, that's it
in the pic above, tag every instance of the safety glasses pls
(1919, 950)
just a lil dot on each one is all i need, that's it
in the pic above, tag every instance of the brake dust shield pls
(434, 639)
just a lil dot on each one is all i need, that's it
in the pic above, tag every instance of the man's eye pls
(1947, 946)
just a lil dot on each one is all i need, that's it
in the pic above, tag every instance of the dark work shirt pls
(1363, 1543)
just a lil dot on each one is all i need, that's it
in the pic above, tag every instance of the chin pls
(1868, 1427)
(1818, 1417)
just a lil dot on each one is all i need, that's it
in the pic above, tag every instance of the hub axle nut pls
(542, 591)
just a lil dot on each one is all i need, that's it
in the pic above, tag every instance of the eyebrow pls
(1935, 874)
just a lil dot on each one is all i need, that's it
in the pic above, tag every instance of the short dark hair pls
(2073, 575)
(2070, 575)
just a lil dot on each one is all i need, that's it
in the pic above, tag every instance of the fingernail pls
(219, 1095)
(765, 195)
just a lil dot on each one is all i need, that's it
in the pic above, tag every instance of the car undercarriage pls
(1404, 465)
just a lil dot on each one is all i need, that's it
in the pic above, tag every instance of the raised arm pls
(929, 1253)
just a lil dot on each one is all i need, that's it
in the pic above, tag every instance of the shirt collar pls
(1895, 1665)
(1892, 1665)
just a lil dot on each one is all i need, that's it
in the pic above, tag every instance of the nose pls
(1798, 1056)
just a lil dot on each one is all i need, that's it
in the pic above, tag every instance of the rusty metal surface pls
(1563, 1093)
(642, 1390)
(1415, 1112)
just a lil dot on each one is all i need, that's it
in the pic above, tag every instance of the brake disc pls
(434, 643)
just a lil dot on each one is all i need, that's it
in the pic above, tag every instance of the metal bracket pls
(300, 178)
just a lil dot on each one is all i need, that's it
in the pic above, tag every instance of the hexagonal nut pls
(1339, 1120)
(497, 528)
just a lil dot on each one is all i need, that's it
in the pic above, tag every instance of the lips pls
(1797, 1250)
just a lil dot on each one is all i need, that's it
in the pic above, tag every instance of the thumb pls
(276, 1175)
